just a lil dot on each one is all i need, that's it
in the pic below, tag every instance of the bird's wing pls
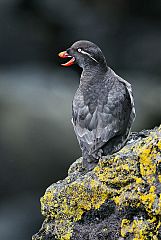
(108, 118)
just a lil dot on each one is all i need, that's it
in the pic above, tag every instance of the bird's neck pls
(90, 72)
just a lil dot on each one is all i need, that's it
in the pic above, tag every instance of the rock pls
(119, 199)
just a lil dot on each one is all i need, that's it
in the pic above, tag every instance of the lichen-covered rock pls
(119, 199)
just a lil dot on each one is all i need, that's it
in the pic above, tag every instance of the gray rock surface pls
(119, 199)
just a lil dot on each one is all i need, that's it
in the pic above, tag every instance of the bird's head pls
(85, 54)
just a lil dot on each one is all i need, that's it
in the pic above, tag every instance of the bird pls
(103, 106)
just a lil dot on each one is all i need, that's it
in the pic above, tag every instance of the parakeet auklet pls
(103, 106)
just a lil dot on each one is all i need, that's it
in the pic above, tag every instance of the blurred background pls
(37, 142)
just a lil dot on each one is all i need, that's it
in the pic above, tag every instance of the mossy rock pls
(119, 199)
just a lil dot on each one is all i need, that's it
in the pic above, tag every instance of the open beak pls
(66, 55)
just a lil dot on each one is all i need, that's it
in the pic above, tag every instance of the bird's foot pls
(97, 154)
(89, 163)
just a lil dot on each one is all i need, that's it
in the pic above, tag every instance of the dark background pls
(37, 143)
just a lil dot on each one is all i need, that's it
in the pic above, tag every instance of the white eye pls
(79, 50)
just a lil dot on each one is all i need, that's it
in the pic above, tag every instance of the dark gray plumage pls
(103, 107)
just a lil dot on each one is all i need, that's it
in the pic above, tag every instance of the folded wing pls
(96, 123)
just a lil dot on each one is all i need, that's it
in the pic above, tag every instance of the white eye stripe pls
(79, 50)
(83, 52)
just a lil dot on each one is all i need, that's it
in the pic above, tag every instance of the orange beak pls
(66, 55)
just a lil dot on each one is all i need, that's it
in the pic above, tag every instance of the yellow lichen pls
(147, 167)
(97, 200)
(138, 227)
(148, 199)
(117, 200)
(83, 197)
(159, 144)
(125, 227)
(66, 237)
(138, 180)
(128, 178)
(159, 178)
